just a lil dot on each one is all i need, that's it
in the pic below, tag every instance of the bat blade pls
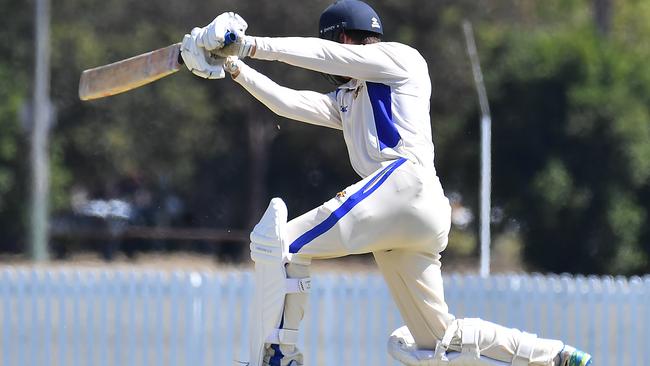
(121, 76)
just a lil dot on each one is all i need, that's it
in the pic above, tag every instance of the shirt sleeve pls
(301, 105)
(377, 62)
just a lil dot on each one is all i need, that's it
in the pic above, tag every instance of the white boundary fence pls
(120, 317)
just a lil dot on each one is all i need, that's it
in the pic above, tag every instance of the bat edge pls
(85, 83)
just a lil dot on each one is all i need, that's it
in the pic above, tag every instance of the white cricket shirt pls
(383, 111)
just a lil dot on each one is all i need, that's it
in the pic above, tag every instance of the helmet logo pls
(375, 23)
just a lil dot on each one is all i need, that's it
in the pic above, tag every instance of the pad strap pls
(469, 337)
(443, 345)
(525, 349)
(283, 336)
(298, 285)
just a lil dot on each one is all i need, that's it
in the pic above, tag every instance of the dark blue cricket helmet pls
(348, 15)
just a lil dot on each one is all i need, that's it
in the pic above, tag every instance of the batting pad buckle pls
(470, 337)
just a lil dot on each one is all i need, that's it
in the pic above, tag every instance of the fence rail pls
(121, 317)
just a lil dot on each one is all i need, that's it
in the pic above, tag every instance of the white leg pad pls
(402, 347)
(270, 253)
(525, 349)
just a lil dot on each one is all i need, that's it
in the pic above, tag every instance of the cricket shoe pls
(570, 356)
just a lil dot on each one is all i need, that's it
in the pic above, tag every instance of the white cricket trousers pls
(401, 215)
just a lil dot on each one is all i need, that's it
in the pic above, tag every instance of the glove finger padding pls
(237, 23)
(211, 36)
(198, 60)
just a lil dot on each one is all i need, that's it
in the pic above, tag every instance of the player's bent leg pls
(415, 281)
(271, 255)
(391, 208)
(402, 347)
(478, 342)
(462, 345)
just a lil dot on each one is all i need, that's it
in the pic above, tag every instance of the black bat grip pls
(180, 58)
(229, 37)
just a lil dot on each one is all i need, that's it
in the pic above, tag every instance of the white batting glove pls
(243, 47)
(198, 60)
(232, 65)
(212, 35)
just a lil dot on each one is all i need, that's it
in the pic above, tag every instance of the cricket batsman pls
(397, 211)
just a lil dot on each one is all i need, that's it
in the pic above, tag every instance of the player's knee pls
(297, 269)
(441, 325)
(269, 231)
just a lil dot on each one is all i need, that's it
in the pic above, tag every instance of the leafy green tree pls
(572, 137)
(570, 107)
(15, 46)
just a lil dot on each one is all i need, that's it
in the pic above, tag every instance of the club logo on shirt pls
(357, 91)
(375, 23)
(344, 108)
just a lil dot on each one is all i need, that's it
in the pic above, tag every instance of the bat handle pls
(229, 38)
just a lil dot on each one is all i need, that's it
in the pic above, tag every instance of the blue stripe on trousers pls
(346, 207)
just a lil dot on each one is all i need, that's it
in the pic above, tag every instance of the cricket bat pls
(134, 72)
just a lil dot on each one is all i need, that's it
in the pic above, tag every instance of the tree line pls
(568, 83)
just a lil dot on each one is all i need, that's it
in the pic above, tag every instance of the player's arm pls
(301, 105)
(305, 106)
(372, 62)
(380, 62)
